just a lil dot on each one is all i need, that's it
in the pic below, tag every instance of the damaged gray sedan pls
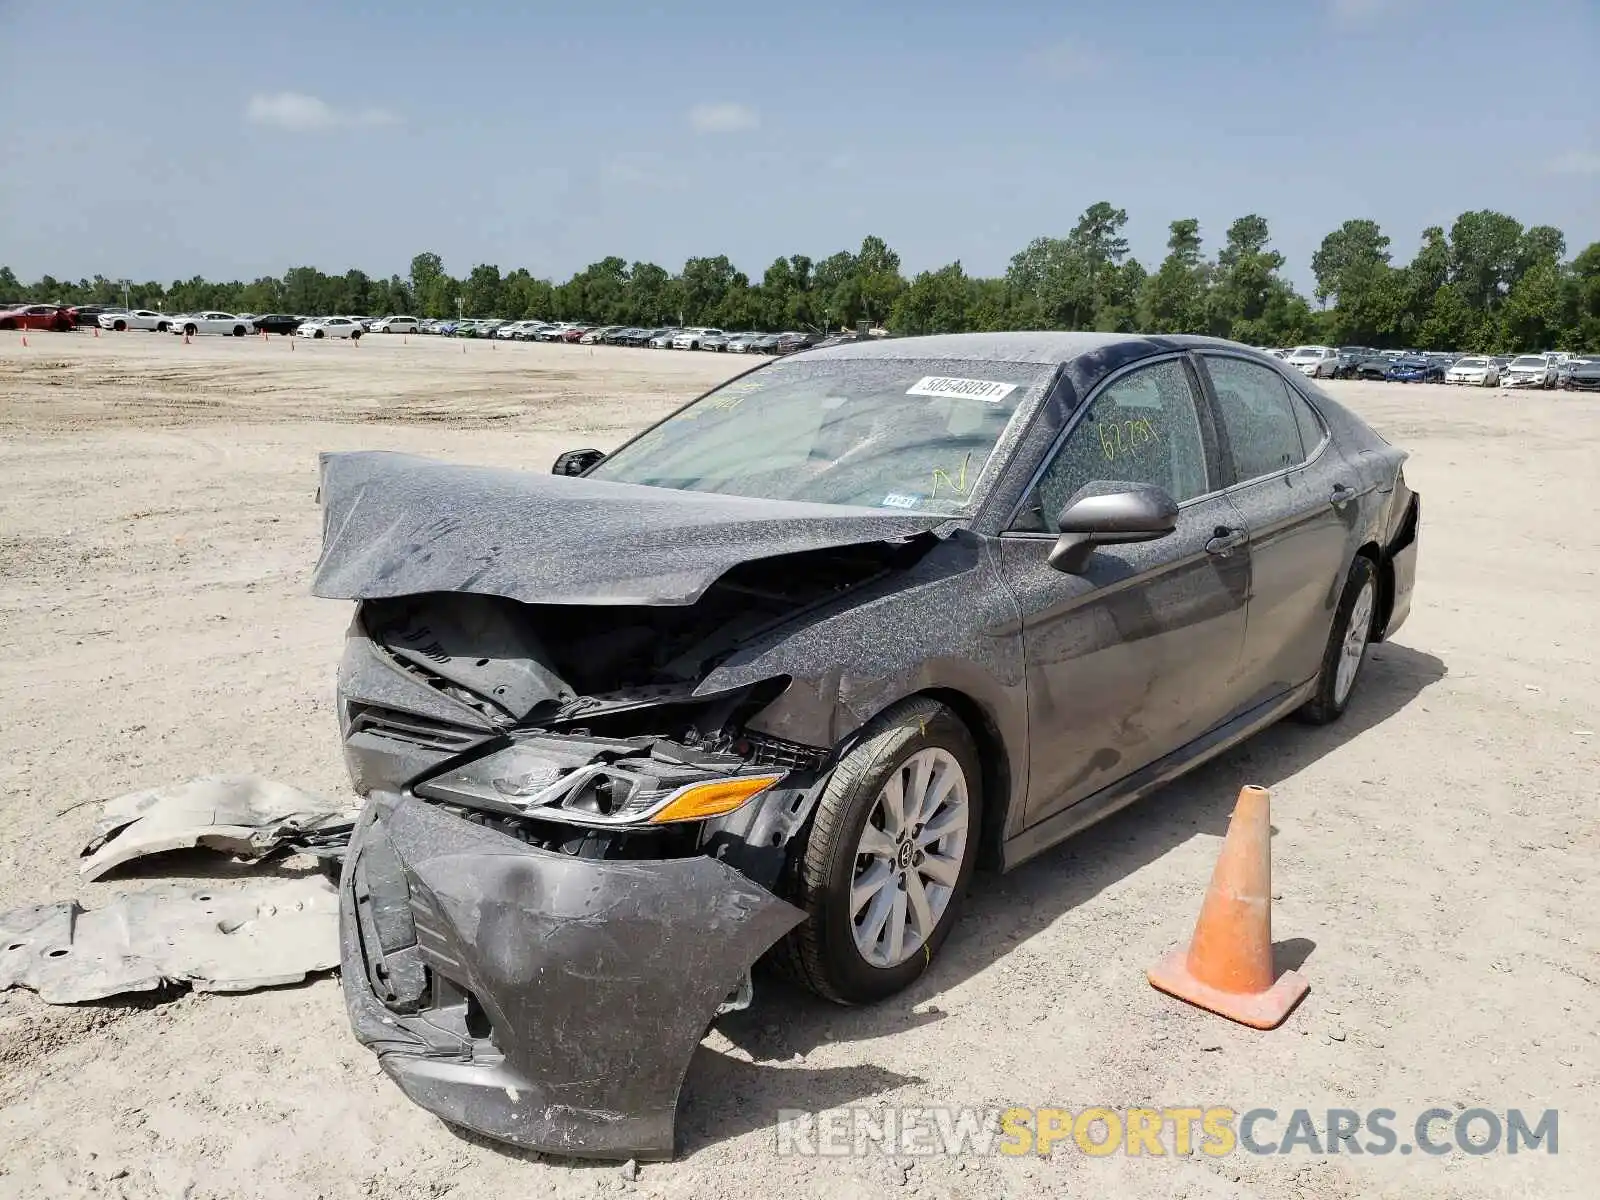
(773, 677)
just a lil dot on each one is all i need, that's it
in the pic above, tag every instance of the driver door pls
(1137, 654)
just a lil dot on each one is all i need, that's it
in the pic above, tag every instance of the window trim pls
(1226, 460)
(1209, 443)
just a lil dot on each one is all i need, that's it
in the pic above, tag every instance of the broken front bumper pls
(536, 997)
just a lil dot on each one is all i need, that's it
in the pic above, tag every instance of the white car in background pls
(139, 318)
(1529, 371)
(690, 339)
(394, 325)
(1475, 371)
(331, 327)
(1315, 361)
(194, 324)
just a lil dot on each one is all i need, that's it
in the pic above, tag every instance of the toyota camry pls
(770, 680)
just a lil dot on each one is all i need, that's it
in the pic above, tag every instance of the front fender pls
(947, 623)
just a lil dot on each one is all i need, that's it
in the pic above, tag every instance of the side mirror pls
(1135, 512)
(576, 462)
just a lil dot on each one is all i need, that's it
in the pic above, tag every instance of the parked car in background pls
(331, 327)
(37, 316)
(87, 316)
(1580, 375)
(790, 342)
(664, 339)
(1418, 369)
(573, 334)
(1315, 362)
(394, 325)
(139, 318)
(279, 323)
(194, 324)
(762, 343)
(1475, 371)
(715, 341)
(1530, 371)
(691, 339)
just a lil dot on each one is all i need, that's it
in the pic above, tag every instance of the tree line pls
(1487, 283)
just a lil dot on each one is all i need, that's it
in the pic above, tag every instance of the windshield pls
(1473, 362)
(909, 434)
(1528, 360)
(1307, 352)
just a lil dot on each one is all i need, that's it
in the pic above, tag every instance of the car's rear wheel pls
(162, 327)
(238, 331)
(316, 333)
(1348, 640)
(890, 852)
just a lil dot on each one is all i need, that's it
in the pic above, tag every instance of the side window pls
(1306, 418)
(1144, 428)
(1254, 403)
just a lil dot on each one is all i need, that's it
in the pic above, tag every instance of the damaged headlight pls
(602, 781)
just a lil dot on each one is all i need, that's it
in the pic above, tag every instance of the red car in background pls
(37, 316)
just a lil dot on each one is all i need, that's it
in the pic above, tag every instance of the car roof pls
(1043, 347)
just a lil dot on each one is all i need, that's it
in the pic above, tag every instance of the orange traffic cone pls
(1227, 968)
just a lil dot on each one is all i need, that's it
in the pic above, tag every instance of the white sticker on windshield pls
(974, 389)
(899, 500)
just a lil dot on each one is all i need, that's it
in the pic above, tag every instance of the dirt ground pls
(1437, 853)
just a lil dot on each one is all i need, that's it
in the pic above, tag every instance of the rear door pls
(1295, 494)
(1136, 655)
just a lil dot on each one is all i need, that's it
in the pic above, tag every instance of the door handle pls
(1342, 494)
(1224, 540)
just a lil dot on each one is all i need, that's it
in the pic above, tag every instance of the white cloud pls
(300, 113)
(1576, 162)
(1068, 59)
(723, 118)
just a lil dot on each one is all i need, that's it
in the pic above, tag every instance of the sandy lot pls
(1439, 847)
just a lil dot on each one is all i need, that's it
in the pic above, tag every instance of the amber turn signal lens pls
(714, 799)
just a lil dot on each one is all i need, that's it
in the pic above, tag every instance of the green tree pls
(1349, 258)
(934, 302)
(1173, 300)
(1485, 253)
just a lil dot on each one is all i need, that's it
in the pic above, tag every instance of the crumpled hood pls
(399, 525)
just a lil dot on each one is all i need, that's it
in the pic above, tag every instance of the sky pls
(160, 141)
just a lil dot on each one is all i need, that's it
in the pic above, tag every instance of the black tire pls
(315, 334)
(190, 331)
(1326, 705)
(162, 327)
(120, 326)
(8, 325)
(238, 331)
(821, 952)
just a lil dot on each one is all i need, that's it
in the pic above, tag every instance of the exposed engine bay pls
(592, 724)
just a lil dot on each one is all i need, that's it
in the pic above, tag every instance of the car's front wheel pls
(162, 327)
(119, 326)
(1346, 651)
(889, 855)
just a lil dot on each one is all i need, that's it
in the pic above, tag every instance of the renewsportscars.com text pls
(1212, 1130)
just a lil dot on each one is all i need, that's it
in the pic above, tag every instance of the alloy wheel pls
(909, 858)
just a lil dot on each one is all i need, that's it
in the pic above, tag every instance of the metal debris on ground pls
(264, 934)
(242, 815)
